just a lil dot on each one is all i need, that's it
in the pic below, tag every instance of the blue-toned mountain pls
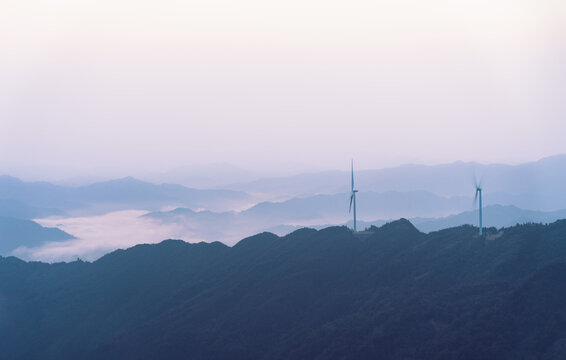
(113, 195)
(18, 232)
(392, 293)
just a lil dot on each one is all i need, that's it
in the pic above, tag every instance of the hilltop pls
(396, 293)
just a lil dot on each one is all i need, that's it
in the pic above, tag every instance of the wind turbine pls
(353, 197)
(478, 191)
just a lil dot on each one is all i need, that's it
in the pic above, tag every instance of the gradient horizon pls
(115, 88)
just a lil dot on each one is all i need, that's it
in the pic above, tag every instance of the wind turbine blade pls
(351, 200)
(476, 197)
(352, 174)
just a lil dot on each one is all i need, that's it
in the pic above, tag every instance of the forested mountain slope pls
(394, 293)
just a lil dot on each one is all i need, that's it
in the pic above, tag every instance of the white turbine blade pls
(351, 200)
(476, 197)
(352, 175)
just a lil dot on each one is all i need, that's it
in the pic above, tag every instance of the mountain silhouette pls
(20, 210)
(120, 194)
(390, 293)
(537, 185)
(17, 232)
(493, 215)
(371, 204)
(282, 218)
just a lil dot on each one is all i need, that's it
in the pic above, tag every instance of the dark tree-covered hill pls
(393, 293)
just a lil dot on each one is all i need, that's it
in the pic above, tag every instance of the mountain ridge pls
(397, 294)
(15, 233)
(509, 184)
(112, 195)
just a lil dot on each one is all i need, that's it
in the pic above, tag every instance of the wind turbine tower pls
(353, 198)
(478, 191)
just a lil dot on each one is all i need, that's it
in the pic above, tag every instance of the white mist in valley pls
(101, 234)
(98, 235)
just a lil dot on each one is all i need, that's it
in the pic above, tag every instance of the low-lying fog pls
(101, 234)
(98, 235)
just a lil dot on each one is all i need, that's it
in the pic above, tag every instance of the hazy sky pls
(118, 86)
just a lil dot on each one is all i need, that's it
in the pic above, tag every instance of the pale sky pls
(120, 86)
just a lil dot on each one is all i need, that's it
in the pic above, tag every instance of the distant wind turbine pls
(353, 197)
(478, 192)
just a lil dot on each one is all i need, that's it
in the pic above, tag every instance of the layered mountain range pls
(128, 193)
(389, 293)
(432, 197)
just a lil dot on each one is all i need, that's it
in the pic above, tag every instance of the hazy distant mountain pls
(536, 185)
(393, 294)
(132, 191)
(37, 194)
(493, 216)
(17, 209)
(228, 227)
(126, 193)
(369, 204)
(17, 232)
